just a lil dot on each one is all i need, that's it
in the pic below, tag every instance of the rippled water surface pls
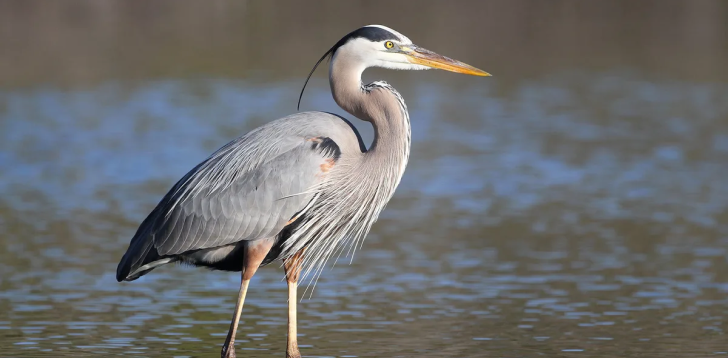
(576, 213)
(556, 222)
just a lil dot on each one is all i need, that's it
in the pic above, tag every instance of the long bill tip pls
(424, 57)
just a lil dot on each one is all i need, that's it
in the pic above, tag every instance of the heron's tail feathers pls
(140, 258)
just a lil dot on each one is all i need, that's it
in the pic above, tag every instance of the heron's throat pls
(392, 130)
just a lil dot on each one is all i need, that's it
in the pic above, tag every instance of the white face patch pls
(361, 53)
(366, 53)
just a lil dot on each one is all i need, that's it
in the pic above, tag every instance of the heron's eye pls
(389, 44)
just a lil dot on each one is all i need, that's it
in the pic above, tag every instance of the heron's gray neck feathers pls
(393, 134)
(380, 104)
(377, 102)
(350, 200)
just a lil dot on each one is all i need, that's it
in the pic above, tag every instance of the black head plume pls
(329, 54)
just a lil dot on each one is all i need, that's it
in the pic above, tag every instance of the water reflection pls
(579, 214)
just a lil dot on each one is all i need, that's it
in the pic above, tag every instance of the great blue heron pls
(298, 189)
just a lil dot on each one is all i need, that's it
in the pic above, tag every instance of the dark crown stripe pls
(371, 33)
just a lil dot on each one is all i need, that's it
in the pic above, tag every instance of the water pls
(574, 213)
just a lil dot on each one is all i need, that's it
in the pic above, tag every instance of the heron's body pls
(301, 188)
(207, 217)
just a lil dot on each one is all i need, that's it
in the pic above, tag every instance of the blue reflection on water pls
(616, 140)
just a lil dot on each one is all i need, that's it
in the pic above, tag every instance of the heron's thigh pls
(255, 253)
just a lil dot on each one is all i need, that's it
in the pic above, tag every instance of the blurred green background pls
(88, 42)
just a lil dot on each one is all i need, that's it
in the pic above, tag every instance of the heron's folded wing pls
(238, 194)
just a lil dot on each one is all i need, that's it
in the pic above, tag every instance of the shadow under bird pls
(299, 189)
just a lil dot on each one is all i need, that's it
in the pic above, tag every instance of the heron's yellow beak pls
(424, 57)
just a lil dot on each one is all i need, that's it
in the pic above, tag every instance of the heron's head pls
(380, 46)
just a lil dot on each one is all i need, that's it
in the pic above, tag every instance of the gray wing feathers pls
(246, 190)
(256, 204)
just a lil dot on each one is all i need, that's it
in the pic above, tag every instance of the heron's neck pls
(380, 104)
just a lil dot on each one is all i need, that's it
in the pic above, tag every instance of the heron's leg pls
(254, 255)
(228, 349)
(292, 266)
